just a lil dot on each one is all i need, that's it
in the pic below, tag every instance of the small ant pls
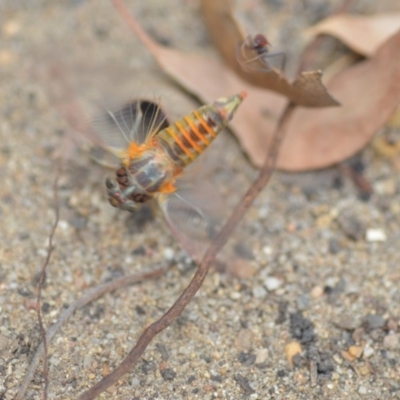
(259, 44)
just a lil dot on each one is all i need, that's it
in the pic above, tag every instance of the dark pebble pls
(207, 359)
(94, 311)
(140, 310)
(247, 358)
(244, 384)
(372, 322)
(24, 292)
(282, 310)
(23, 236)
(216, 378)
(148, 366)
(351, 226)
(45, 307)
(301, 328)
(281, 373)
(139, 251)
(325, 365)
(168, 374)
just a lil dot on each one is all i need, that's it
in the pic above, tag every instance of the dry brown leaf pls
(363, 34)
(209, 79)
(369, 92)
(227, 34)
(316, 138)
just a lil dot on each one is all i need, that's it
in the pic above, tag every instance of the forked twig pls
(91, 295)
(172, 314)
(43, 277)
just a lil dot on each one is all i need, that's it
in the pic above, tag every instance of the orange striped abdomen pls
(188, 137)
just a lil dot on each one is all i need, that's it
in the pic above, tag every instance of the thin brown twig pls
(91, 295)
(42, 279)
(173, 313)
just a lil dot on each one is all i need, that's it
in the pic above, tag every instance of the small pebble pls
(372, 321)
(348, 322)
(347, 356)
(291, 350)
(4, 342)
(241, 269)
(392, 325)
(334, 246)
(244, 340)
(355, 351)
(364, 369)
(351, 226)
(335, 376)
(63, 225)
(391, 341)
(168, 374)
(362, 390)
(337, 359)
(169, 253)
(272, 283)
(368, 351)
(358, 335)
(267, 250)
(235, 295)
(317, 291)
(261, 356)
(302, 302)
(259, 292)
(135, 382)
(247, 358)
(375, 235)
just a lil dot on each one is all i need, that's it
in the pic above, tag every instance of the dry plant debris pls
(363, 34)
(368, 92)
(228, 35)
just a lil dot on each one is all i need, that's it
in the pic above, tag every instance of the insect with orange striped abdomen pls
(153, 157)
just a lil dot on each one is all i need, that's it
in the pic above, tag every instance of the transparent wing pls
(195, 215)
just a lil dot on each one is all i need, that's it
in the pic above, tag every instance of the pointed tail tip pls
(242, 95)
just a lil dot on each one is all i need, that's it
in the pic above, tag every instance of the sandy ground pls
(318, 282)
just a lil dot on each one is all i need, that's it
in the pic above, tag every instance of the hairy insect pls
(153, 156)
